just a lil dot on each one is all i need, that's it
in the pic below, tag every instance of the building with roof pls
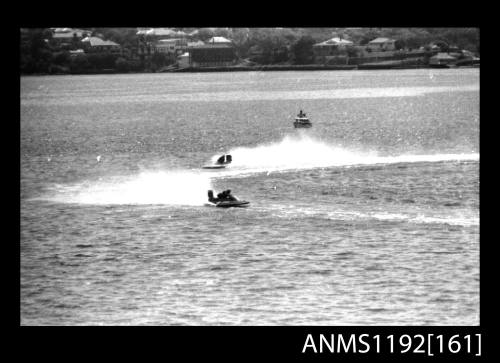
(67, 32)
(160, 32)
(442, 59)
(212, 55)
(195, 43)
(183, 60)
(218, 40)
(67, 35)
(98, 45)
(332, 50)
(381, 44)
(173, 46)
(156, 33)
(331, 47)
(161, 40)
(142, 31)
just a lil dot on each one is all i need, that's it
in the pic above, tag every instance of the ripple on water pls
(366, 238)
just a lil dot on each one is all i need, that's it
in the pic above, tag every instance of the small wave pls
(457, 220)
(344, 254)
(66, 306)
(110, 259)
(454, 221)
(319, 272)
(420, 219)
(455, 204)
(408, 201)
(376, 310)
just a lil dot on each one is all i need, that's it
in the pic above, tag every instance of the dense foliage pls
(38, 54)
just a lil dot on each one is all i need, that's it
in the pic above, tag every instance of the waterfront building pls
(381, 44)
(212, 55)
(67, 36)
(98, 45)
(441, 59)
(332, 51)
(183, 60)
(332, 46)
(219, 40)
(174, 46)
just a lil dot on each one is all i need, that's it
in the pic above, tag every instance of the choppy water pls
(371, 217)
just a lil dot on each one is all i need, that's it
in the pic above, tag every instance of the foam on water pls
(189, 187)
(306, 152)
(152, 187)
(460, 218)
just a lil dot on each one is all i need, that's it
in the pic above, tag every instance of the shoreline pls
(264, 68)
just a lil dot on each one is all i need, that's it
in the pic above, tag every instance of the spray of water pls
(160, 187)
(189, 187)
(305, 152)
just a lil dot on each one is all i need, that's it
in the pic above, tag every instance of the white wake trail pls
(305, 152)
(158, 187)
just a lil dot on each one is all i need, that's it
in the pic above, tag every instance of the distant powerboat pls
(302, 120)
(221, 162)
(226, 200)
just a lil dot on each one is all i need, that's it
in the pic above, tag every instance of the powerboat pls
(221, 162)
(302, 120)
(226, 200)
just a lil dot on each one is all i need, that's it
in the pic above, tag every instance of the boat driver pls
(225, 195)
(228, 195)
(221, 196)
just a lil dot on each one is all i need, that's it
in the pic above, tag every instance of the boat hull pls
(213, 166)
(302, 122)
(232, 203)
(301, 125)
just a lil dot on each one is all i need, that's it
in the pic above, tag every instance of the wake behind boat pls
(221, 162)
(226, 200)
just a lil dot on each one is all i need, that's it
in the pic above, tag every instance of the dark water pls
(370, 217)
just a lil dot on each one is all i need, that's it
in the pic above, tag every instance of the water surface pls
(370, 217)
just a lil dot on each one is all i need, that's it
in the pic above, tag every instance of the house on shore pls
(332, 46)
(98, 45)
(212, 55)
(216, 52)
(157, 33)
(171, 47)
(219, 40)
(67, 37)
(161, 40)
(183, 60)
(381, 45)
(442, 60)
(332, 50)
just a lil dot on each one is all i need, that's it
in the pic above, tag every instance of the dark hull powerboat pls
(227, 201)
(221, 163)
(213, 167)
(232, 203)
(302, 120)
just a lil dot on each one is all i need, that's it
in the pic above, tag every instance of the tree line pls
(38, 54)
